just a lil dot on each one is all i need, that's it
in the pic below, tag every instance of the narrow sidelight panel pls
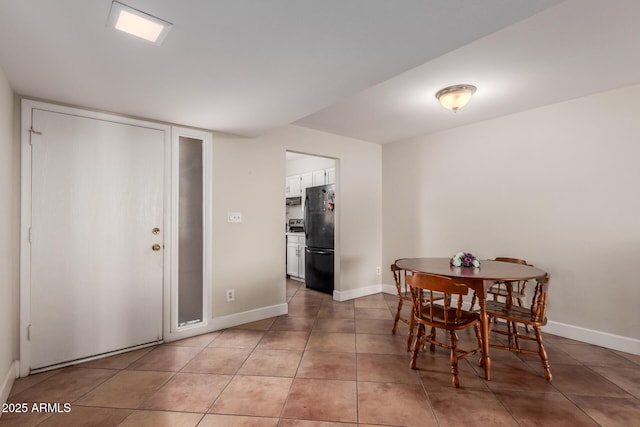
(190, 231)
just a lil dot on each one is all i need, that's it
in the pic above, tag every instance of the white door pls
(96, 198)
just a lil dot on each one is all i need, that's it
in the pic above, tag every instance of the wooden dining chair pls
(431, 310)
(534, 316)
(399, 276)
(514, 290)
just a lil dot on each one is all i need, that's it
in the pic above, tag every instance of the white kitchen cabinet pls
(318, 177)
(295, 256)
(330, 176)
(294, 186)
(324, 176)
(292, 256)
(297, 184)
(301, 262)
(306, 181)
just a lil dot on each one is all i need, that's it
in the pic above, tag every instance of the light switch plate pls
(234, 217)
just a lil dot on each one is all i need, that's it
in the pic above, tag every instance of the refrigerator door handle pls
(319, 252)
(306, 216)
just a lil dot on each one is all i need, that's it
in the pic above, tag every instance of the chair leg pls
(453, 342)
(543, 354)
(416, 346)
(514, 337)
(412, 326)
(395, 322)
(432, 337)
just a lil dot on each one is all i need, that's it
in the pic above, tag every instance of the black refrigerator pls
(319, 222)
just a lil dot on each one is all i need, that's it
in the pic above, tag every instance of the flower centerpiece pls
(464, 259)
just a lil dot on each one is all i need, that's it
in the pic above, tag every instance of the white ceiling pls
(361, 68)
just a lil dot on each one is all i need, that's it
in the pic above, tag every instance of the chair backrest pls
(539, 301)
(400, 276)
(434, 286)
(520, 284)
(396, 273)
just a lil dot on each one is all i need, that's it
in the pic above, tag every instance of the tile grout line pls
(284, 405)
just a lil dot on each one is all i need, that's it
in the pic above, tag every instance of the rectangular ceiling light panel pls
(138, 23)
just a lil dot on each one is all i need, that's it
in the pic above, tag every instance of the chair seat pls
(513, 313)
(438, 320)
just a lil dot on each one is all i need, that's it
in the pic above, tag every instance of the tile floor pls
(333, 364)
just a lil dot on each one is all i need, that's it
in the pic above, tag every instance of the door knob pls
(156, 247)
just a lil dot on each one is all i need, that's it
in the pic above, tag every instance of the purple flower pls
(464, 259)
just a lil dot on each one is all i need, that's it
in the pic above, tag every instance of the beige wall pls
(250, 257)
(249, 176)
(9, 226)
(555, 186)
(247, 256)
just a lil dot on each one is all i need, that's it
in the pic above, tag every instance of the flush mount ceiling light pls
(138, 23)
(455, 97)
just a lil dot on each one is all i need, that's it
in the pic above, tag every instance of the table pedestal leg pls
(484, 334)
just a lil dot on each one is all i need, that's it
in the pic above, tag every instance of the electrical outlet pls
(231, 295)
(378, 271)
(234, 217)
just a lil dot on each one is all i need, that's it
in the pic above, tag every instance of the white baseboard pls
(7, 382)
(249, 316)
(590, 336)
(390, 289)
(231, 320)
(357, 293)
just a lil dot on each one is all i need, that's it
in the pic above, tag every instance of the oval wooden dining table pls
(477, 279)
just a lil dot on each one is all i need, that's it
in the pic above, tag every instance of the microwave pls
(294, 200)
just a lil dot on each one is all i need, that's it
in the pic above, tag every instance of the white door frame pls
(25, 212)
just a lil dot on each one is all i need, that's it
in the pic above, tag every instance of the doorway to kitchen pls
(310, 220)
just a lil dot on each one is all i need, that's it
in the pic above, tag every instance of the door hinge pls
(29, 332)
(29, 234)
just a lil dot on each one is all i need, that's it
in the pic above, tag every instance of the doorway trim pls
(25, 209)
